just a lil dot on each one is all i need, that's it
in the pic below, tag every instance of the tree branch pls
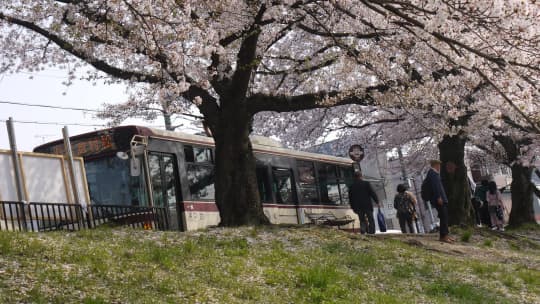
(313, 68)
(68, 47)
(516, 125)
(246, 61)
(208, 106)
(283, 103)
(397, 12)
(312, 31)
(283, 32)
(367, 124)
(533, 125)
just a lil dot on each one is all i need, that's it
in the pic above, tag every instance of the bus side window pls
(328, 184)
(200, 172)
(307, 182)
(188, 154)
(283, 185)
(263, 183)
(345, 180)
(344, 191)
(202, 155)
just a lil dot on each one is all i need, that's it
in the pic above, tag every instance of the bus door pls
(163, 173)
(283, 186)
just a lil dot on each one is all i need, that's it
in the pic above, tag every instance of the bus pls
(141, 166)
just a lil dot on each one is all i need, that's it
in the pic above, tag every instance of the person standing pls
(414, 214)
(496, 206)
(438, 199)
(480, 193)
(404, 203)
(361, 195)
(477, 205)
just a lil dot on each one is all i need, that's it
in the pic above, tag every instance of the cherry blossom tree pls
(373, 128)
(233, 59)
(420, 128)
(518, 147)
(522, 187)
(475, 121)
(148, 106)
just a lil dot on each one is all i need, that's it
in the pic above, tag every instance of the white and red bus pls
(140, 166)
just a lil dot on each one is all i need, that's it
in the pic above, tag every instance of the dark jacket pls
(481, 193)
(360, 195)
(437, 189)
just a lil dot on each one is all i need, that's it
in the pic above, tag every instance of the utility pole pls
(402, 165)
(67, 146)
(15, 158)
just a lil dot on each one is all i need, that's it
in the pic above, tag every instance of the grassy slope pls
(266, 265)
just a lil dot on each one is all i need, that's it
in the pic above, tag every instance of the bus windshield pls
(110, 183)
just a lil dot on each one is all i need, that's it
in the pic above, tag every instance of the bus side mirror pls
(135, 166)
(137, 150)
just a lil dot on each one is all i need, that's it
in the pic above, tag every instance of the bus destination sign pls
(87, 146)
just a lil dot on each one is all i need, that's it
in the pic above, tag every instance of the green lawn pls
(266, 265)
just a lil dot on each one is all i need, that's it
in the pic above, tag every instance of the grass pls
(466, 236)
(460, 292)
(263, 265)
(488, 243)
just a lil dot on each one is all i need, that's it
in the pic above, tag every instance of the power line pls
(81, 124)
(54, 123)
(85, 125)
(41, 75)
(46, 106)
(196, 117)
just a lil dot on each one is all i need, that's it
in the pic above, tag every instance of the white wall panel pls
(44, 179)
(8, 190)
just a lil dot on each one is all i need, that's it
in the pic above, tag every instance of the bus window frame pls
(315, 183)
(268, 174)
(209, 164)
(176, 173)
(294, 191)
(334, 179)
(339, 179)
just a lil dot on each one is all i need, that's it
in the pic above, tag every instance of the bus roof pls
(260, 144)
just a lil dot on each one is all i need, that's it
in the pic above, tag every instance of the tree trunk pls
(237, 194)
(455, 181)
(522, 196)
(522, 187)
(167, 120)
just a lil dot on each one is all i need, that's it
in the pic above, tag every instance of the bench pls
(328, 219)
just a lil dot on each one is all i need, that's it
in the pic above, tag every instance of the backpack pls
(403, 204)
(425, 190)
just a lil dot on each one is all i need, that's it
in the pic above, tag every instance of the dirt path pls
(495, 247)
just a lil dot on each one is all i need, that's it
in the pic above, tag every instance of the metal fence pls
(156, 218)
(37, 216)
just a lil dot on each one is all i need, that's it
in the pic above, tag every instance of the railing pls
(12, 216)
(155, 218)
(36, 216)
(54, 216)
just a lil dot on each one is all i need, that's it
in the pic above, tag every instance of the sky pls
(46, 88)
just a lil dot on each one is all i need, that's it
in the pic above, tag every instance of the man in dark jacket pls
(439, 199)
(360, 195)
